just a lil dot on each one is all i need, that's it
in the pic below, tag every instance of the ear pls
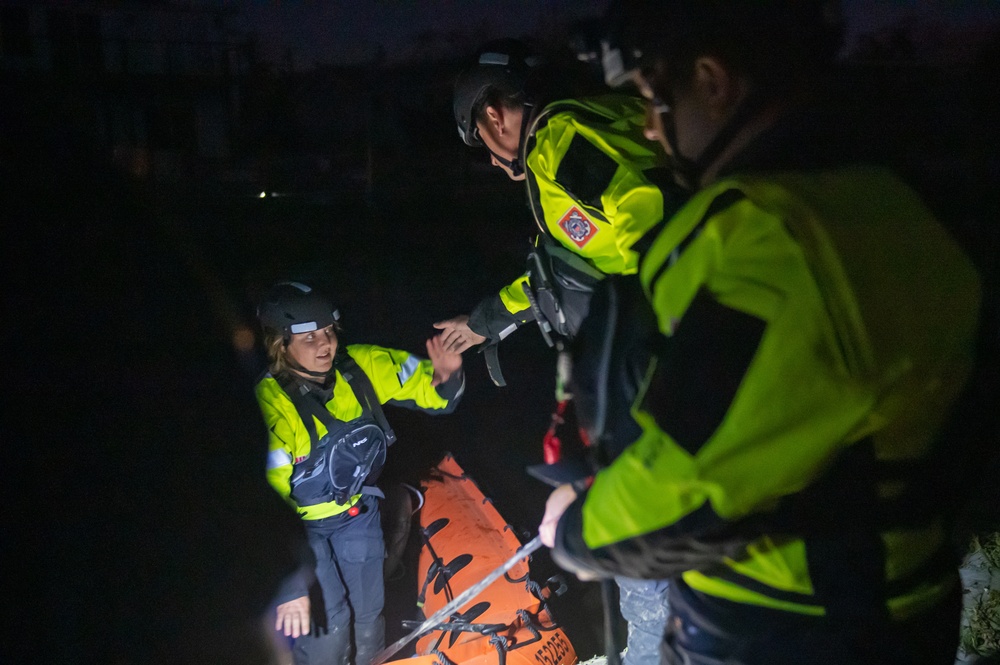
(495, 119)
(719, 88)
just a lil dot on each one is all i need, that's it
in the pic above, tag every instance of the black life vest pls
(350, 456)
(559, 288)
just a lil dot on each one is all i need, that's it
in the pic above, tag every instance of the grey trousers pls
(645, 607)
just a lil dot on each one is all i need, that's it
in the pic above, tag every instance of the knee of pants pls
(361, 560)
(644, 601)
(329, 596)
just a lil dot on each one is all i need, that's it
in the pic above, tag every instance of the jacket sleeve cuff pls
(570, 551)
(492, 320)
(452, 389)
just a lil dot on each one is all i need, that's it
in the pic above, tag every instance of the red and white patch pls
(577, 226)
(299, 460)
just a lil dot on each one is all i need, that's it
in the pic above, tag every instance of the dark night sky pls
(323, 32)
(338, 32)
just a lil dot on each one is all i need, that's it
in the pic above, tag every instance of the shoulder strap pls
(529, 130)
(305, 405)
(365, 392)
(492, 357)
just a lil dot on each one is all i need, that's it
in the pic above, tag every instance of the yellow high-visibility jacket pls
(592, 185)
(398, 378)
(816, 328)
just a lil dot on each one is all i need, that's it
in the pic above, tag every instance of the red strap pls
(552, 444)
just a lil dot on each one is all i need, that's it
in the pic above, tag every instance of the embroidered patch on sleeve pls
(577, 226)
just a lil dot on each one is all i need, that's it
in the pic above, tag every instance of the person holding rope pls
(816, 329)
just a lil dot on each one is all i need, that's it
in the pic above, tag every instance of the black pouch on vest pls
(561, 285)
(356, 458)
(611, 355)
(351, 454)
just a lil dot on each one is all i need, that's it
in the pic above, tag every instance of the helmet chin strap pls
(691, 170)
(318, 375)
(516, 165)
(683, 166)
(513, 165)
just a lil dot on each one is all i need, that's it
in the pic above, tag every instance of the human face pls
(500, 132)
(695, 110)
(658, 112)
(314, 350)
(657, 115)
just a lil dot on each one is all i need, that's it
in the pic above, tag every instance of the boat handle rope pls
(458, 601)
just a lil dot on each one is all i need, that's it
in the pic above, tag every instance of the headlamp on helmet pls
(292, 308)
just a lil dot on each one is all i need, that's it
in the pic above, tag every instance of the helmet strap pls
(514, 165)
(683, 166)
(694, 169)
(318, 375)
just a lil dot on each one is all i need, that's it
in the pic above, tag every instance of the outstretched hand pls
(445, 362)
(457, 336)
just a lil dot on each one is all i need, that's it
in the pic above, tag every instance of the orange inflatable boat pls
(464, 538)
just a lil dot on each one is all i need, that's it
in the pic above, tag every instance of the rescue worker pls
(595, 186)
(322, 404)
(816, 328)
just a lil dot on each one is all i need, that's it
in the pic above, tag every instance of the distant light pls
(243, 339)
(263, 195)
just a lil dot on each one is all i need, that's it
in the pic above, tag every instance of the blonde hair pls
(277, 353)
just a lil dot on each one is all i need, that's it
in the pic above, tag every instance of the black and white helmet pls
(290, 308)
(503, 64)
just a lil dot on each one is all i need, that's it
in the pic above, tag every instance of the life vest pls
(350, 456)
